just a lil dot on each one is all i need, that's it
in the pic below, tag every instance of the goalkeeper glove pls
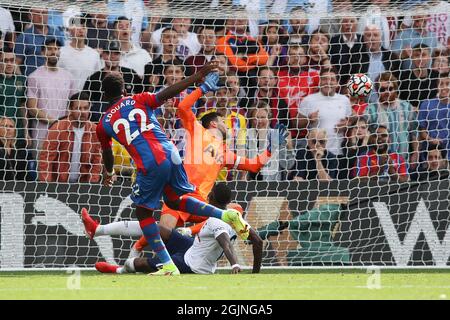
(283, 135)
(210, 83)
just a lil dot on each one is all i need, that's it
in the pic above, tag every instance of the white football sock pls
(129, 266)
(121, 228)
(121, 270)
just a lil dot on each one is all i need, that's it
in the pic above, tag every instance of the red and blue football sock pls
(199, 208)
(151, 233)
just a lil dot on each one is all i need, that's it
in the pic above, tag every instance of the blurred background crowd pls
(289, 71)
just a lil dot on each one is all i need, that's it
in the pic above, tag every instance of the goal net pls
(360, 181)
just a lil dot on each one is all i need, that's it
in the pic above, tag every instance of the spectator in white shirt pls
(76, 57)
(6, 22)
(188, 44)
(374, 16)
(133, 56)
(169, 40)
(327, 110)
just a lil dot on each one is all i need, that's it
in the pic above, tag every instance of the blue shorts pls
(167, 180)
(177, 247)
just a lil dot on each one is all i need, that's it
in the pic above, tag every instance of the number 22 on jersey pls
(130, 136)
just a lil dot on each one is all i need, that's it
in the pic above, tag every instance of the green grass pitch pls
(272, 285)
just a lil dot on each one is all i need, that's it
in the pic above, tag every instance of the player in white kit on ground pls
(200, 254)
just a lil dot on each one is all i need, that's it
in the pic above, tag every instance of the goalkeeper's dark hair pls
(207, 118)
(220, 195)
(113, 86)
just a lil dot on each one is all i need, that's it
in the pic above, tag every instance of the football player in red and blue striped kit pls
(131, 121)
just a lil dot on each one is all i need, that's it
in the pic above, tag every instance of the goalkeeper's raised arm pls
(214, 121)
(254, 165)
(184, 111)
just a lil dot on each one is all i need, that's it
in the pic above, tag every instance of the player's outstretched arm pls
(178, 87)
(184, 110)
(225, 243)
(254, 165)
(257, 244)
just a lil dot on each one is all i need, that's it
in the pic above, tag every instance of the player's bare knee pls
(168, 221)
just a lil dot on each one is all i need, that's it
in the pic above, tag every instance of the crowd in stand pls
(292, 72)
